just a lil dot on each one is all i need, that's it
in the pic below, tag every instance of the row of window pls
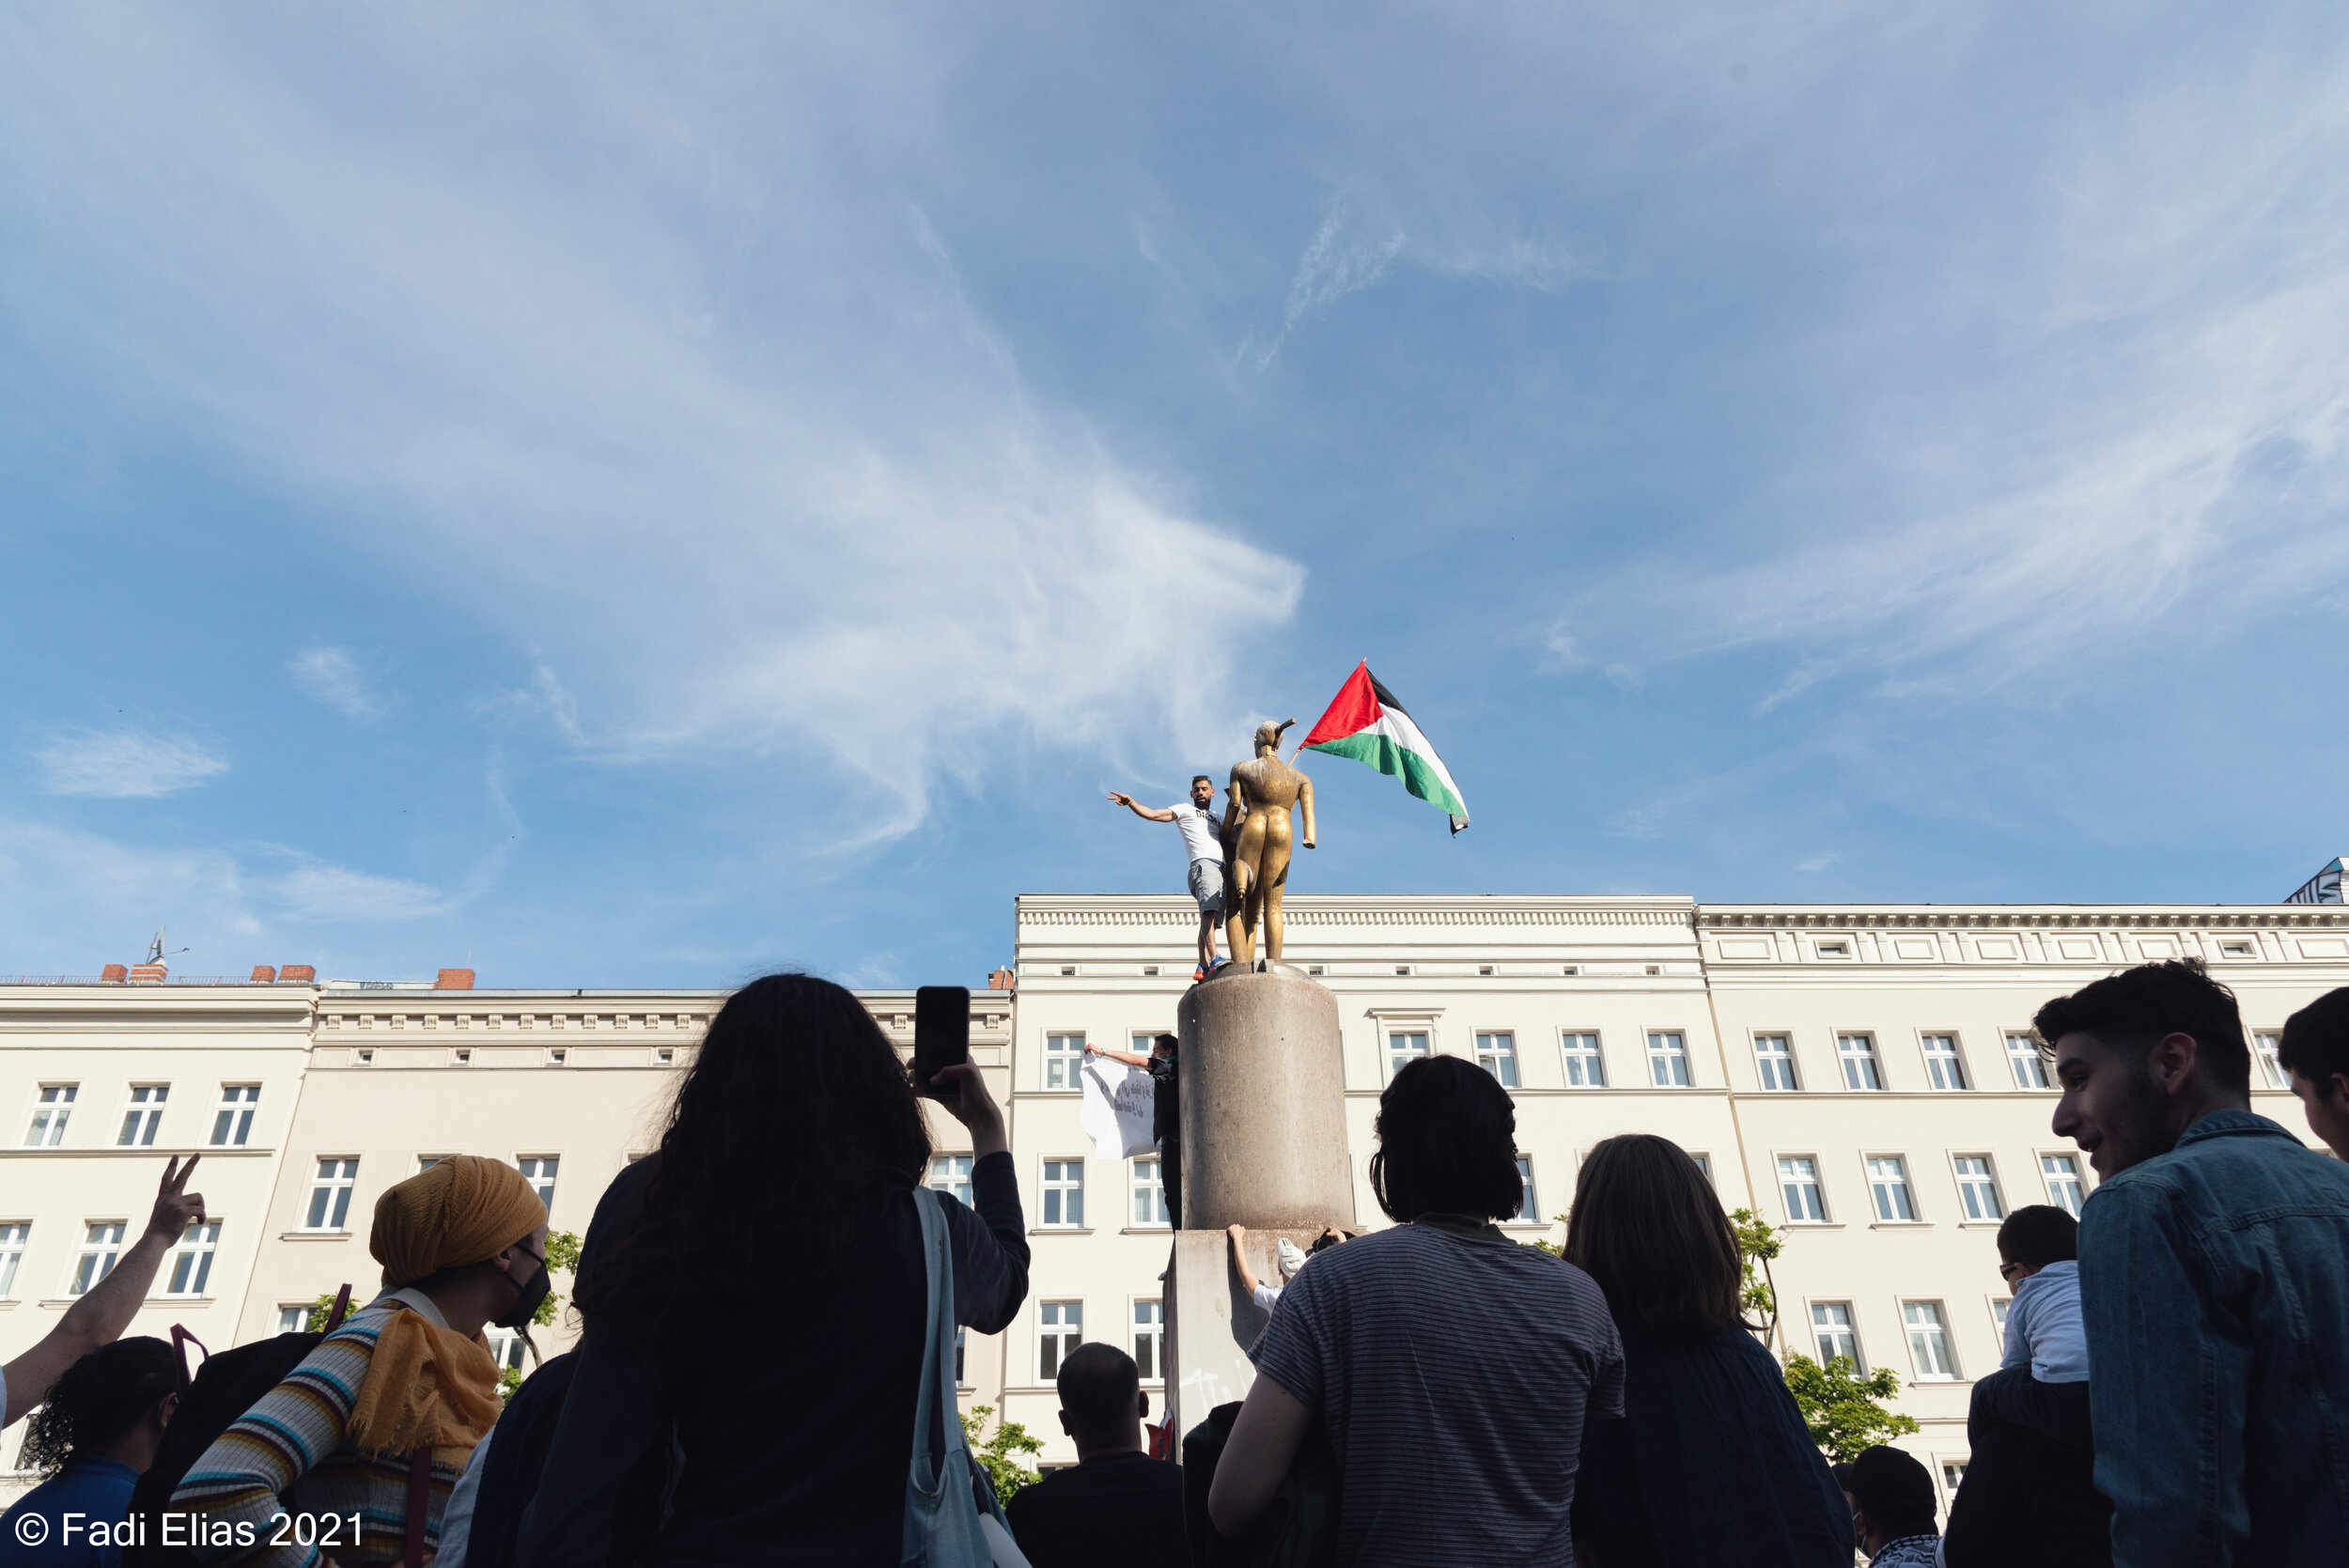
(1060, 1197)
(1666, 1059)
(328, 1208)
(143, 1115)
(191, 1265)
(1895, 1200)
(1932, 1349)
(1060, 1327)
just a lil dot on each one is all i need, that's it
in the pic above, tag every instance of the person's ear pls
(165, 1408)
(1145, 1405)
(1064, 1426)
(2172, 1062)
(2336, 1089)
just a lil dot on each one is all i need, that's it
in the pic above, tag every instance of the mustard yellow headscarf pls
(426, 1384)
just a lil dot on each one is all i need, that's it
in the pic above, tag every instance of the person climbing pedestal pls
(1263, 1103)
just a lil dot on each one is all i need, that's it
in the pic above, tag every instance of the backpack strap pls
(342, 1309)
(180, 1339)
(419, 1504)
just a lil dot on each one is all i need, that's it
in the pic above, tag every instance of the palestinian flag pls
(1365, 723)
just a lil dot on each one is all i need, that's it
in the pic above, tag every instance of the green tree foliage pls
(562, 1258)
(999, 1456)
(1845, 1412)
(1758, 1242)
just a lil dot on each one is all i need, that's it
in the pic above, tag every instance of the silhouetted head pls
(1101, 1402)
(1648, 1227)
(2314, 1051)
(794, 1120)
(2034, 1236)
(106, 1396)
(1447, 1143)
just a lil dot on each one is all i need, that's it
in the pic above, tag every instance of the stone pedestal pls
(1263, 1097)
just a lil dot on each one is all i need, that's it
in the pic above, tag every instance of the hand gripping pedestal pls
(1263, 1099)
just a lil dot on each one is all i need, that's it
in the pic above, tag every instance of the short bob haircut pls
(1648, 1227)
(2316, 1040)
(1447, 1143)
(2131, 1012)
(2038, 1234)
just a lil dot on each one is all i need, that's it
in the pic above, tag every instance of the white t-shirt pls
(1199, 829)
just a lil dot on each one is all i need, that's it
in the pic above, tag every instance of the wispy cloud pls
(811, 505)
(1819, 861)
(331, 676)
(313, 890)
(124, 763)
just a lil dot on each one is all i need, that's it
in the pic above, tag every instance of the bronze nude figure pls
(1256, 841)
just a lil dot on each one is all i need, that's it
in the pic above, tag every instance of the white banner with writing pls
(1117, 1106)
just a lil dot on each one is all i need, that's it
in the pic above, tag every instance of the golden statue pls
(1256, 843)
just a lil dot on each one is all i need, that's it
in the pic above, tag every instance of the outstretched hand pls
(1118, 799)
(176, 1207)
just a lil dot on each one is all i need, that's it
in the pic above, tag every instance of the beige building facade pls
(1861, 1076)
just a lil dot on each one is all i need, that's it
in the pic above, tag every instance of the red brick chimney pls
(264, 975)
(1002, 980)
(454, 980)
(114, 975)
(152, 974)
(297, 974)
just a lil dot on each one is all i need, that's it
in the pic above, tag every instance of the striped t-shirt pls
(1453, 1371)
(295, 1442)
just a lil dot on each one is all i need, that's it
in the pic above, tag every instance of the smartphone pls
(941, 1029)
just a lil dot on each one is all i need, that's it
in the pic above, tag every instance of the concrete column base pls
(1210, 1320)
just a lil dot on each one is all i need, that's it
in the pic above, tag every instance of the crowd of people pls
(767, 1303)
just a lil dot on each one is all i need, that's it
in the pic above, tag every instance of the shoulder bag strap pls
(929, 1423)
(419, 1504)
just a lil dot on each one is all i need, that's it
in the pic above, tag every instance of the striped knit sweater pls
(293, 1443)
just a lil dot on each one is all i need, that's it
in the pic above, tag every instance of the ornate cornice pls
(2018, 917)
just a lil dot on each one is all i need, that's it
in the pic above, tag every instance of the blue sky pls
(636, 497)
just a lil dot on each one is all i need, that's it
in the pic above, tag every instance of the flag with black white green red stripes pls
(1365, 723)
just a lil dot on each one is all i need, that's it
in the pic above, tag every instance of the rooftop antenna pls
(155, 954)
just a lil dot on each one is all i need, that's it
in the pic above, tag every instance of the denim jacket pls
(2215, 1284)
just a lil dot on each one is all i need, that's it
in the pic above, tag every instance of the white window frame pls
(1063, 1062)
(1848, 1329)
(101, 1252)
(2265, 1043)
(14, 1235)
(1769, 1064)
(1584, 1069)
(1817, 1183)
(1529, 1196)
(2077, 1180)
(1392, 1029)
(1060, 1327)
(1147, 1210)
(1973, 1185)
(143, 1109)
(294, 1316)
(53, 1108)
(2000, 1307)
(1704, 1163)
(1668, 1050)
(333, 1216)
(192, 1259)
(1497, 1053)
(1893, 1190)
(1867, 1057)
(542, 1172)
(232, 1115)
(1943, 1065)
(508, 1348)
(1058, 1187)
(2024, 1061)
(1150, 1330)
(1919, 1334)
(949, 1174)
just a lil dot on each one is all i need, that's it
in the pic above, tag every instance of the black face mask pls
(534, 1290)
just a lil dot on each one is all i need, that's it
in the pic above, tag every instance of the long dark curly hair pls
(795, 1116)
(99, 1398)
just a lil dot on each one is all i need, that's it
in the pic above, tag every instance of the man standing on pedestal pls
(1200, 830)
(1166, 1118)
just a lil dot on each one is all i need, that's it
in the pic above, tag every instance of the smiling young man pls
(2214, 1282)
